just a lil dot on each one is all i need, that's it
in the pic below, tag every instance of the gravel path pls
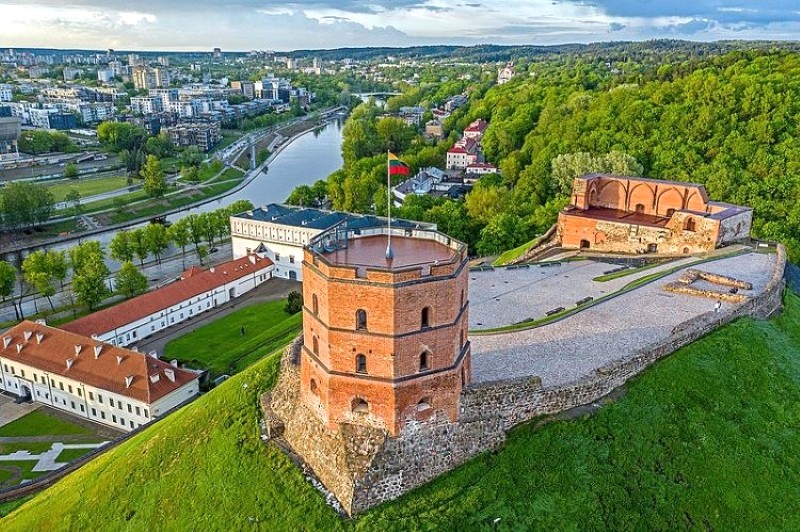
(503, 297)
(568, 349)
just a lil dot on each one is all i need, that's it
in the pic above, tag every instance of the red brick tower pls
(385, 340)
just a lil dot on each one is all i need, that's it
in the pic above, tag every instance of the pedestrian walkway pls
(46, 461)
(11, 411)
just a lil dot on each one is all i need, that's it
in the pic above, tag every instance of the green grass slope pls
(708, 438)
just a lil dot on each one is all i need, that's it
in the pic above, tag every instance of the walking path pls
(11, 411)
(46, 461)
(568, 349)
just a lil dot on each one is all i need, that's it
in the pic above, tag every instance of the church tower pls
(385, 339)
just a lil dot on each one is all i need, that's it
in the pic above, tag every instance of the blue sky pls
(285, 25)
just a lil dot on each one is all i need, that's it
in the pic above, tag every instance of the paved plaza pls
(10, 411)
(505, 296)
(565, 350)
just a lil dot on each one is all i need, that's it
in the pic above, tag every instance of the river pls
(308, 158)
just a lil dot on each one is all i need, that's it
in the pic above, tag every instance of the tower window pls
(316, 345)
(360, 406)
(426, 317)
(314, 387)
(689, 225)
(361, 319)
(423, 361)
(462, 299)
(361, 364)
(314, 304)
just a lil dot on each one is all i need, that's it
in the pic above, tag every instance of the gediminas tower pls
(385, 339)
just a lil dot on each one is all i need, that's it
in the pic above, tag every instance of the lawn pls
(707, 438)
(40, 423)
(220, 347)
(87, 187)
(513, 254)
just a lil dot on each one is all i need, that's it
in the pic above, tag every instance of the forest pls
(729, 122)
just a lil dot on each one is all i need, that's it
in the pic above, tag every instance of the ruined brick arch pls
(695, 202)
(612, 195)
(314, 388)
(599, 237)
(642, 199)
(669, 201)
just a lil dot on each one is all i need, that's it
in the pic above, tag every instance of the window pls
(277, 256)
(82, 409)
(423, 361)
(461, 338)
(315, 343)
(22, 372)
(640, 208)
(291, 259)
(100, 398)
(361, 364)
(152, 328)
(146, 414)
(131, 423)
(102, 415)
(314, 388)
(72, 405)
(426, 317)
(670, 212)
(80, 392)
(94, 412)
(462, 299)
(314, 304)
(138, 411)
(690, 225)
(69, 388)
(61, 385)
(130, 408)
(122, 421)
(360, 406)
(361, 319)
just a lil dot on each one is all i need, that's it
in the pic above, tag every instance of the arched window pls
(315, 304)
(426, 317)
(361, 363)
(640, 208)
(670, 212)
(314, 388)
(424, 404)
(360, 406)
(685, 251)
(423, 361)
(690, 225)
(585, 244)
(315, 342)
(361, 319)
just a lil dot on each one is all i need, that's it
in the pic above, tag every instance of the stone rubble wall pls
(364, 468)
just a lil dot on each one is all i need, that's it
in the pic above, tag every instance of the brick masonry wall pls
(363, 467)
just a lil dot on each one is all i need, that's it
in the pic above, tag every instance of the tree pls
(121, 247)
(139, 244)
(504, 231)
(37, 273)
(71, 171)
(24, 204)
(190, 174)
(202, 253)
(129, 281)
(197, 228)
(8, 276)
(157, 240)
(179, 233)
(118, 136)
(84, 253)
(486, 202)
(294, 302)
(74, 197)
(191, 156)
(155, 184)
(57, 262)
(89, 282)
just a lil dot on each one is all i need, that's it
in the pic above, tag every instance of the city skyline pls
(266, 24)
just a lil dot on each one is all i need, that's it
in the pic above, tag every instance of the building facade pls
(196, 291)
(98, 381)
(640, 215)
(385, 340)
(279, 232)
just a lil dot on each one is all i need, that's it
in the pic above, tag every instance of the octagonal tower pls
(385, 340)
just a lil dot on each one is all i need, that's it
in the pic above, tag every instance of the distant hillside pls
(707, 438)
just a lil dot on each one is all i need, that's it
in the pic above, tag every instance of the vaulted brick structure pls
(640, 215)
(385, 340)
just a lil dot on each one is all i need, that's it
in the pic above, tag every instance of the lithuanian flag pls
(396, 166)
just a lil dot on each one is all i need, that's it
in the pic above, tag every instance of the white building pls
(280, 232)
(6, 93)
(105, 75)
(147, 105)
(194, 293)
(91, 379)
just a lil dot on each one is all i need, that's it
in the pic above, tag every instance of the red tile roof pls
(477, 125)
(114, 369)
(193, 282)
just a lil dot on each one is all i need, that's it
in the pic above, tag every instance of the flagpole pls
(389, 254)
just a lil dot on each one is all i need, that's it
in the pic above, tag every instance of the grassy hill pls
(708, 438)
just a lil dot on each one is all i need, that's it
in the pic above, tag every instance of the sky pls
(244, 25)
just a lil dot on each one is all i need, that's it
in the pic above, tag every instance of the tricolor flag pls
(396, 166)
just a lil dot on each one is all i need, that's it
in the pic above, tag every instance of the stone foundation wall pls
(363, 467)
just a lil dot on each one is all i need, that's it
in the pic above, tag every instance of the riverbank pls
(325, 118)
